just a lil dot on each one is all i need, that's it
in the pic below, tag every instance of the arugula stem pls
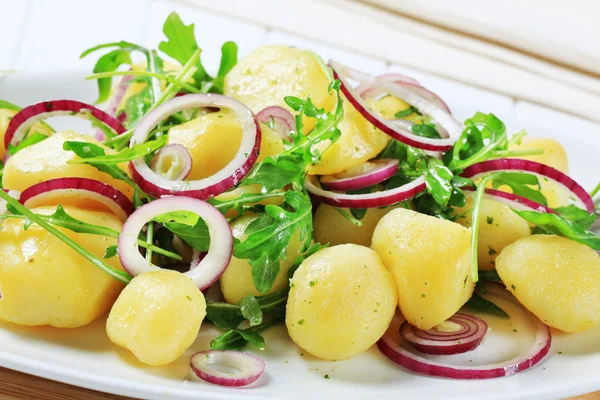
(516, 153)
(167, 78)
(96, 123)
(119, 275)
(348, 216)
(125, 136)
(187, 71)
(223, 206)
(595, 190)
(149, 240)
(516, 138)
(477, 200)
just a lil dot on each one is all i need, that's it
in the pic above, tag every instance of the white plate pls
(86, 358)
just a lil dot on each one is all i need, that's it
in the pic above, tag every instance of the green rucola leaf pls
(28, 141)
(480, 304)
(125, 155)
(577, 215)
(251, 310)
(520, 184)
(110, 252)
(229, 52)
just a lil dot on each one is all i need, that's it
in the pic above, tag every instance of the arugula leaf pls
(251, 310)
(407, 112)
(229, 55)
(480, 304)
(438, 180)
(518, 182)
(238, 338)
(490, 276)
(425, 130)
(561, 226)
(577, 215)
(28, 141)
(230, 316)
(196, 236)
(243, 200)
(125, 155)
(110, 252)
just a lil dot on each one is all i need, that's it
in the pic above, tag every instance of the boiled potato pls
(157, 317)
(236, 282)
(46, 282)
(270, 73)
(5, 117)
(556, 278)
(213, 140)
(341, 302)
(499, 226)
(388, 106)
(47, 160)
(360, 141)
(555, 156)
(331, 227)
(430, 259)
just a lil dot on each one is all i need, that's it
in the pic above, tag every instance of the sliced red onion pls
(368, 174)
(440, 115)
(279, 119)
(247, 367)
(59, 188)
(12, 193)
(27, 117)
(115, 102)
(206, 272)
(368, 200)
(579, 194)
(172, 162)
(394, 348)
(458, 334)
(226, 178)
(518, 202)
(368, 92)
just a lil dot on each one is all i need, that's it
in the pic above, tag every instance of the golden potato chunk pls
(499, 226)
(236, 282)
(47, 160)
(157, 317)
(556, 278)
(331, 227)
(430, 260)
(46, 282)
(341, 302)
(270, 73)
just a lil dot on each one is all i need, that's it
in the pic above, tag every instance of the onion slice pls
(279, 119)
(582, 198)
(54, 191)
(207, 271)
(518, 202)
(27, 117)
(173, 162)
(458, 334)
(368, 174)
(248, 368)
(368, 200)
(115, 102)
(441, 116)
(226, 178)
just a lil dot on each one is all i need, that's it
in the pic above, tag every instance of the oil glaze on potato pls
(556, 278)
(236, 282)
(157, 317)
(430, 261)
(46, 282)
(331, 227)
(499, 226)
(341, 301)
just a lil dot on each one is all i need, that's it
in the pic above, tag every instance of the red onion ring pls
(230, 176)
(115, 102)
(206, 272)
(368, 174)
(107, 195)
(367, 91)
(519, 202)
(369, 200)
(180, 162)
(282, 120)
(3, 205)
(468, 337)
(248, 367)
(27, 117)
(453, 127)
(582, 197)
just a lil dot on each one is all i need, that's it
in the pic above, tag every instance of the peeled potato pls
(46, 282)
(270, 73)
(388, 106)
(556, 278)
(236, 282)
(499, 226)
(331, 227)
(5, 117)
(47, 160)
(341, 302)
(157, 317)
(430, 260)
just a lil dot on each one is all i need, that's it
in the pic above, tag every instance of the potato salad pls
(355, 210)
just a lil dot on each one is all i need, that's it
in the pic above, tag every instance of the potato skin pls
(45, 282)
(341, 302)
(157, 316)
(47, 160)
(499, 226)
(236, 282)
(556, 278)
(331, 227)
(430, 260)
